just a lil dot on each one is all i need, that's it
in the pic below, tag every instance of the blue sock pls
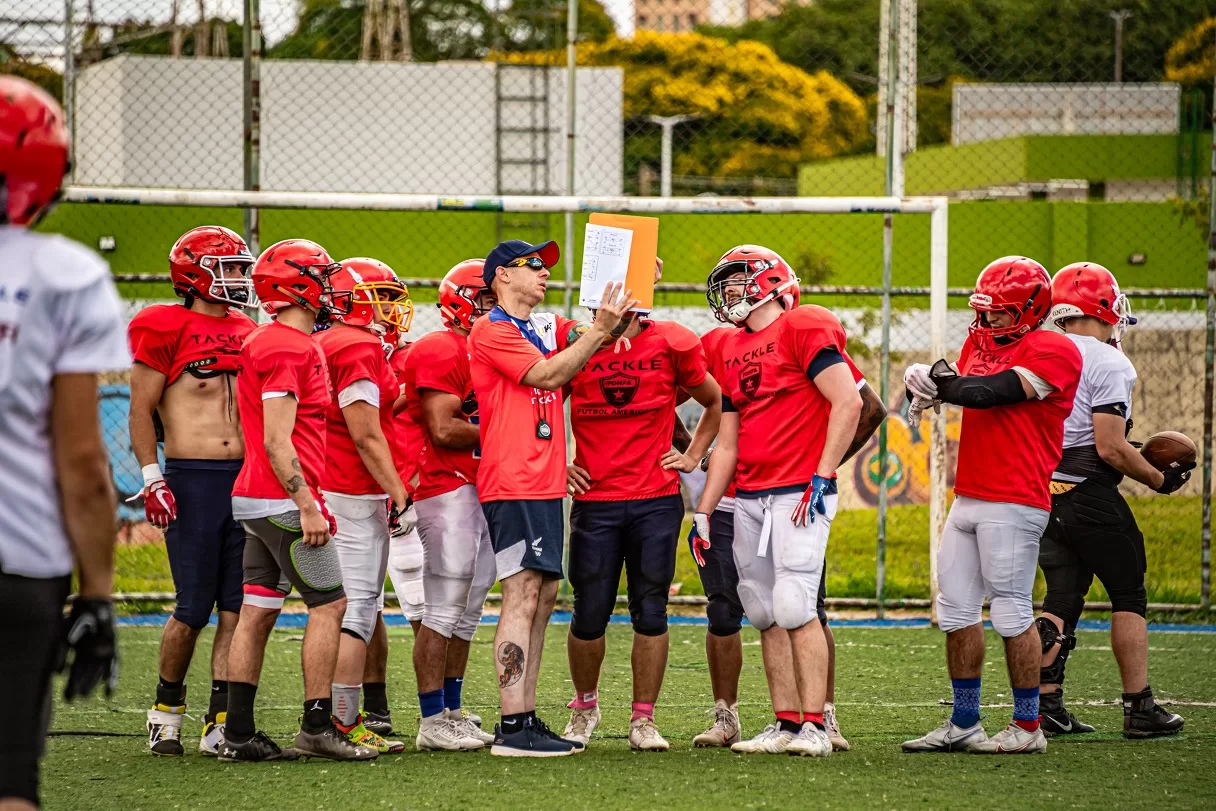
(431, 703)
(966, 702)
(1026, 703)
(451, 692)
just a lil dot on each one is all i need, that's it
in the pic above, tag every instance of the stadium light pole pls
(69, 83)
(1119, 16)
(668, 123)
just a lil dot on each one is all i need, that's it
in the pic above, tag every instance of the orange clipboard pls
(642, 253)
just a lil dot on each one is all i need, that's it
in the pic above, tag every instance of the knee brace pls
(757, 604)
(1067, 607)
(793, 602)
(360, 617)
(1054, 672)
(1132, 600)
(724, 618)
(649, 615)
(1011, 615)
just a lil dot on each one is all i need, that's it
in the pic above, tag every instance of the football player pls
(458, 568)
(283, 392)
(405, 545)
(1092, 530)
(61, 326)
(1016, 385)
(184, 378)
(360, 482)
(791, 407)
(628, 513)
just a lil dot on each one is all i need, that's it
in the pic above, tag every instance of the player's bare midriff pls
(200, 418)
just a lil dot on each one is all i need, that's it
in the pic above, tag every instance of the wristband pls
(152, 474)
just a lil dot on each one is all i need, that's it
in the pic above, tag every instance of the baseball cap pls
(504, 252)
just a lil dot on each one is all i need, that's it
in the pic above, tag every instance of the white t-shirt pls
(59, 314)
(1107, 378)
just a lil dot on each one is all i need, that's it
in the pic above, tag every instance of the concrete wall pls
(331, 126)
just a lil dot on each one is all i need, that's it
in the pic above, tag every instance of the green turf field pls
(891, 683)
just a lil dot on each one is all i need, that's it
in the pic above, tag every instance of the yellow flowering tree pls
(756, 115)
(1189, 60)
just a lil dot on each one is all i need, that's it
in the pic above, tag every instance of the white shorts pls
(988, 548)
(459, 563)
(780, 564)
(362, 543)
(405, 568)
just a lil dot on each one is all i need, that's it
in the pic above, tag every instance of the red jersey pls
(516, 463)
(1007, 453)
(711, 342)
(172, 339)
(440, 362)
(622, 407)
(783, 417)
(278, 358)
(352, 355)
(407, 433)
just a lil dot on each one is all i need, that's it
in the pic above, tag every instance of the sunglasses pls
(533, 262)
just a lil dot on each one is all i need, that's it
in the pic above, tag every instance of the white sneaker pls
(582, 724)
(439, 734)
(1013, 740)
(839, 744)
(644, 736)
(771, 741)
(948, 738)
(725, 730)
(464, 724)
(213, 735)
(811, 741)
(165, 730)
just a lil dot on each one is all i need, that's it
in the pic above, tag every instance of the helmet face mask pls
(212, 264)
(747, 277)
(230, 282)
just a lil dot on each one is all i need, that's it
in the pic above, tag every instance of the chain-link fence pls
(1059, 130)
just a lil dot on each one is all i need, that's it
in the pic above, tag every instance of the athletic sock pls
(170, 693)
(815, 718)
(375, 697)
(239, 724)
(318, 714)
(642, 709)
(966, 712)
(431, 703)
(346, 703)
(789, 721)
(452, 687)
(513, 723)
(1026, 707)
(585, 701)
(219, 699)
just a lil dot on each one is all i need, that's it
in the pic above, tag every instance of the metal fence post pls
(252, 59)
(1209, 388)
(69, 83)
(568, 289)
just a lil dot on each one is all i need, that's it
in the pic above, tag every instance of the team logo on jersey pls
(619, 389)
(749, 380)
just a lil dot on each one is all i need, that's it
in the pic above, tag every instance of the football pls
(1168, 448)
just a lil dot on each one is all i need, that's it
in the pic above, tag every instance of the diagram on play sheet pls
(605, 260)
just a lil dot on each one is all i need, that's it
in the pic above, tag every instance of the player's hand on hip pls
(814, 500)
(1175, 478)
(614, 303)
(698, 537)
(658, 270)
(90, 651)
(674, 460)
(918, 381)
(578, 481)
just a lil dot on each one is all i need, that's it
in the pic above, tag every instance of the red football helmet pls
(768, 277)
(200, 262)
(297, 271)
(1014, 285)
(1087, 288)
(373, 287)
(34, 147)
(463, 295)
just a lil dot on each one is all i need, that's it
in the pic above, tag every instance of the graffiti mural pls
(907, 470)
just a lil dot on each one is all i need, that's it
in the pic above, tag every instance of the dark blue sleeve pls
(828, 356)
(727, 405)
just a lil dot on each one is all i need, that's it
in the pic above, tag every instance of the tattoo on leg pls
(512, 658)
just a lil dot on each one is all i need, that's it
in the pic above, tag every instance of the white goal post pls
(935, 207)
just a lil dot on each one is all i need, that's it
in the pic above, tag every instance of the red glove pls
(160, 507)
(698, 538)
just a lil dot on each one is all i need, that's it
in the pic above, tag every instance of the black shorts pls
(205, 543)
(1092, 531)
(277, 559)
(31, 620)
(526, 535)
(720, 578)
(640, 535)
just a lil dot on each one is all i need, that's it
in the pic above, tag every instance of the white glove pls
(918, 381)
(919, 404)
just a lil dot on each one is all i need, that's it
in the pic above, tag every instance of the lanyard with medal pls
(543, 429)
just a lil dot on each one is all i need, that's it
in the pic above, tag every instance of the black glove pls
(705, 461)
(1175, 477)
(89, 642)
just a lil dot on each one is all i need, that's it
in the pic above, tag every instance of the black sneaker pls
(1145, 718)
(331, 744)
(543, 728)
(529, 742)
(382, 725)
(257, 749)
(1055, 719)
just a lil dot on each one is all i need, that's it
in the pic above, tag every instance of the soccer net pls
(835, 244)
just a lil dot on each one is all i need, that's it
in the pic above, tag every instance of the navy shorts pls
(720, 578)
(526, 535)
(642, 536)
(205, 544)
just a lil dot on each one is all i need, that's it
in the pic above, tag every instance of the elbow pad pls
(977, 391)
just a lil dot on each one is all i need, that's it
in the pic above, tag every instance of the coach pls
(518, 372)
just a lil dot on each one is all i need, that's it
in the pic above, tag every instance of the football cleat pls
(380, 724)
(257, 749)
(1145, 718)
(471, 717)
(582, 724)
(644, 736)
(1055, 719)
(948, 738)
(466, 726)
(725, 730)
(213, 735)
(531, 741)
(331, 744)
(772, 740)
(811, 741)
(1012, 740)
(439, 733)
(839, 744)
(165, 730)
(360, 735)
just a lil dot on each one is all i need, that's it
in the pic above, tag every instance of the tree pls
(755, 114)
(1190, 60)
